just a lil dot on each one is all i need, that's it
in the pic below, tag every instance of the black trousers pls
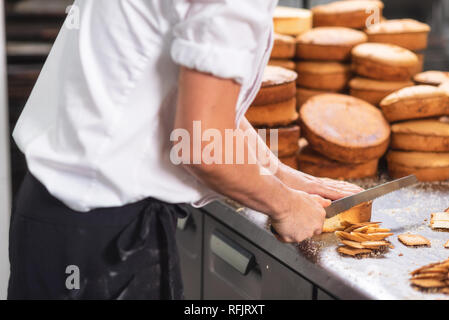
(126, 252)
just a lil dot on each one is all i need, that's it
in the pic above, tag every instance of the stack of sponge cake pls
(275, 108)
(420, 139)
(275, 105)
(390, 60)
(323, 65)
(379, 63)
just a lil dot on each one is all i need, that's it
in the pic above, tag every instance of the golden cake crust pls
(283, 47)
(311, 162)
(278, 84)
(325, 76)
(350, 14)
(384, 61)
(373, 91)
(415, 102)
(406, 33)
(273, 76)
(431, 77)
(328, 43)
(288, 138)
(357, 214)
(291, 21)
(421, 135)
(329, 127)
(276, 114)
(427, 166)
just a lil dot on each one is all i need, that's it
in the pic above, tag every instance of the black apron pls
(126, 252)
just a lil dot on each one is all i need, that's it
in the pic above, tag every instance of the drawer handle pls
(230, 251)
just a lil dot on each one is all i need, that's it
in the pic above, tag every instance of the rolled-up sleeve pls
(221, 37)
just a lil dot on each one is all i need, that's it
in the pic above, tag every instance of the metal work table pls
(382, 277)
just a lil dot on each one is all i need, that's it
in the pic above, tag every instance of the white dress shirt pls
(96, 128)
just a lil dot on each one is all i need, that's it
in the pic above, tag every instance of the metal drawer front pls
(236, 269)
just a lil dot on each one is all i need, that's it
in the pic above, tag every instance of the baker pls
(95, 215)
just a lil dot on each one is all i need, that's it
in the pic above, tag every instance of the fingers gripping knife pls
(343, 204)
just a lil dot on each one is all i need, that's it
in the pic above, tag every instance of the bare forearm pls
(246, 185)
(211, 101)
(298, 180)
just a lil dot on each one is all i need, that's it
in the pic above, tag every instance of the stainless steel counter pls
(383, 277)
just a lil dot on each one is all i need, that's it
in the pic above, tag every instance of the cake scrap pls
(432, 278)
(440, 221)
(363, 239)
(413, 240)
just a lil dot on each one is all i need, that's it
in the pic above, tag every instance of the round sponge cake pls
(350, 14)
(291, 21)
(278, 85)
(311, 162)
(373, 91)
(415, 102)
(325, 76)
(328, 43)
(427, 166)
(421, 135)
(384, 61)
(283, 47)
(406, 33)
(431, 77)
(344, 128)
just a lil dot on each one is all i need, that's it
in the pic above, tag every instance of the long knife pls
(347, 203)
(343, 204)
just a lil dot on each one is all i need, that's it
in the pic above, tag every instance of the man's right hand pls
(304, 218)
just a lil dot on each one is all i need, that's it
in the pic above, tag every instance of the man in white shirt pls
(101, 195)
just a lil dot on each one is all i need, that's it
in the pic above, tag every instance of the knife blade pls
(343, 204)
(347, 203)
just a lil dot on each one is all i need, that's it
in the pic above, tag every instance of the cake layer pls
(357, 214)
(311, 162)
(277, 114)
(421, 135)
(329, 126)
(325, 76)
(406, 33)
(431, 77)
(415, 102)
(328, 43)
(291, 21)
(373, 91)
(427, 166)
(278, 85)
(287, 143)
(384, 61)
(350, 14)
(283, 47)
